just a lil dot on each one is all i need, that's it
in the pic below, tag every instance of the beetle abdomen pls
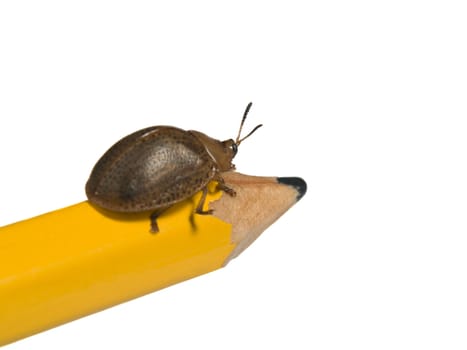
(149, 169)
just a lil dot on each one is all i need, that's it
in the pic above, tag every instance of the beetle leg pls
(153, 217)
(199, 207)
(223, 187)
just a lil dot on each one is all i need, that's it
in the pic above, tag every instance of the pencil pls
(72, 262)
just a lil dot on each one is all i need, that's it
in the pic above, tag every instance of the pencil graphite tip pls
(296, 182)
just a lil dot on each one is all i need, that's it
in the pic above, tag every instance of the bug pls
(156, 167)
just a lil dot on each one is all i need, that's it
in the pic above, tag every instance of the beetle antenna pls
(238, 140)
(251, 132)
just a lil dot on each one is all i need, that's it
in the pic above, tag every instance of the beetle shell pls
(149, 169)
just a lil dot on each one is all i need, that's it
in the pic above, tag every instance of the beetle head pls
(223, 152)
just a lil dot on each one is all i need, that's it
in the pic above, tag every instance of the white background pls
(366, 100)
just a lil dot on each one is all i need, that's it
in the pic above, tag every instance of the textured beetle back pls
(151, 168)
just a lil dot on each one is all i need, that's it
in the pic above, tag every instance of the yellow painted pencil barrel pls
(69, 263)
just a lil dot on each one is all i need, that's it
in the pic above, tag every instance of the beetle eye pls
(234, 148)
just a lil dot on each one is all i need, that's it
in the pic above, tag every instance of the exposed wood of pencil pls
(259, 202)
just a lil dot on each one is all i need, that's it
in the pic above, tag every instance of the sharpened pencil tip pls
(298, 183)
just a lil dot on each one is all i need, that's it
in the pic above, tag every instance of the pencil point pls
(298, 183)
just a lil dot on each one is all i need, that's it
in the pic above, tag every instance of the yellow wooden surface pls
(71, 262)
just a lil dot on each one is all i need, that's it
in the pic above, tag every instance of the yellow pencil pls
(72, 262)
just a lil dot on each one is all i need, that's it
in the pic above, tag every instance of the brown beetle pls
(156, 167)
